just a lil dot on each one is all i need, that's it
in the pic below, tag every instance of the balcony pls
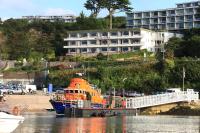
(138, 15)
(171, 13)
(146, 15)
(179, 12)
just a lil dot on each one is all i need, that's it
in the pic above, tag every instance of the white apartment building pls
(64, 18)
(114, 41)
(184, 16)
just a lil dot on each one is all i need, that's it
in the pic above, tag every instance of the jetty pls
(134, 104)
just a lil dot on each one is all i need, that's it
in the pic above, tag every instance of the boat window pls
(66, 91)
(76, 91)
(71, 91)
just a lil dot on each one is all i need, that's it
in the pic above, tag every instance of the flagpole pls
(183, 78)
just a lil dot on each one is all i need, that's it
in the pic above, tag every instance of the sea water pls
(50, 123)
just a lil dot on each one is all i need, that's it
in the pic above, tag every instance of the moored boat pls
(9, 122)
(78, 94)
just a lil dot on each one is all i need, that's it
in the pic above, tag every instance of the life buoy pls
(16, 111)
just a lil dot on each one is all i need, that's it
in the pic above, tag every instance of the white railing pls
(153, 100)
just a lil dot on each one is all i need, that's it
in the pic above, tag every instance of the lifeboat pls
(76, 94)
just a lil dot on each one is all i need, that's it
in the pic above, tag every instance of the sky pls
(18, 8)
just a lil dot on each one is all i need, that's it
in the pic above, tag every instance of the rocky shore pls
(184, 109)
(188, 109)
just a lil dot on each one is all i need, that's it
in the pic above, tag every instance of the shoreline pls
(181, 109)
(40, 103)
(27, 103)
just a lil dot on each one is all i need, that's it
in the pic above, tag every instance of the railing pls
(153, 100)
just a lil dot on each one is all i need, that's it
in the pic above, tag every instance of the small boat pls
(9, 122)
(78, 94)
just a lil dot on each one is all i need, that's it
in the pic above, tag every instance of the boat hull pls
(8, 123)
(60, 106)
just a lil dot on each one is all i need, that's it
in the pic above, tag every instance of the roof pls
(104, 30)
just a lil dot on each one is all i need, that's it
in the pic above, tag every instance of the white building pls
(64, 18)
(184, 16)
(114, 41)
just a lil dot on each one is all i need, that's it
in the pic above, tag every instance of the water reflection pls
(93, 125)
(49, 123)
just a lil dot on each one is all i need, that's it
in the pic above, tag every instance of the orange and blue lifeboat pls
(78, 90)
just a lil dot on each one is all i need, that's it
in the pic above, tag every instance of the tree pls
(192, 47)
(18, 46)
(113, 5)
(94, 6)
(171, 46)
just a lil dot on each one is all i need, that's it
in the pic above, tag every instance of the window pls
(130, 22)
(84, 50)
(188, 5)
(171, 19)
(189, 18)
(71, 91)
(125, 41)
(84, 35)
(113, 49)
(73, 43)
(171, 12)
(196, 4)
(76, 91)
(189, 11)
(93, 50)
(137, 48)
(104, 49)
(114, 33)
(146, 14)
(73, 35)
(84, 42)
(73, 50)
(162, 13)
(93, 34)
(180, 25)
(180, 12)
(126, 33)
(104, 34)
(114, 41)
(136, 33)
(125, 49)
(93, 42)
(135, 41)
(155, 14)
(138, 15)
(180, 5)
(104, 42)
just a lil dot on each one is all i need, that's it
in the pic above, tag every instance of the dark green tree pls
(115, 5)
(172, 45)
(94, 6)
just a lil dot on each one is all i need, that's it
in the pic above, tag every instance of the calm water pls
(48, 123)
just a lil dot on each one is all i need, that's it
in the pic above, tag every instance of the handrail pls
(153, 100)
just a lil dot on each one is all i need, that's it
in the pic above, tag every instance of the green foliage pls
(100, 56)
(189, 46)
(111, 5)
(94, 6)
